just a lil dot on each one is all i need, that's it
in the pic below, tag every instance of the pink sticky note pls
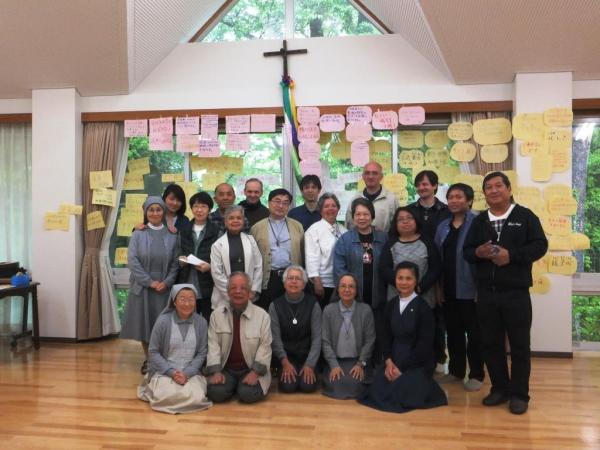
(359, 153)
(308, 115)
(385, 120)
(161, 142)
(332, 122)
(262, 123)
(359, 114)
(209, 130)
(237, 124)
(238, 142)
(358, 132)
(309, 150)
(209, 149)
(135, 128)
(308, 133)
(188, 143)
(310, 167)
(411, 115)
(162, 125)
(187, 125)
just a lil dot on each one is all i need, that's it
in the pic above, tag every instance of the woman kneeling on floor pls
(177, 352)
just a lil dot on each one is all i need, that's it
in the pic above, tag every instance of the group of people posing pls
(224, 301)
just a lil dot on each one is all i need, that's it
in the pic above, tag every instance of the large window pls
(267, 19)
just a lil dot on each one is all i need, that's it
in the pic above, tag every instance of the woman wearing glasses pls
(319, 241)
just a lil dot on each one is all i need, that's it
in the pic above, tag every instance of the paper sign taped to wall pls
(528, 127)
(237, 142)
(358, 132)
(541, 285)
(530, 148)
(411, 159)
(211, 180)
(56, 221)
(381, 146)
(561, 159)
(209, 127)
(557, 225)
(237, 124)
(187, 125)
(436, 139)
(566, 206)
(133, 215)
(310, 167)
(460, 131)
(563, 265)
(541, 265)
(558, 138)
(161, 142)
(445, 173)
(479, 202)
(69, 208)
(121, 256)
(309, 150)
(359, 153)
(411, 115)
(385, 120)
(579, 241)
(95, 221)
(101, 179)
(135, 201)
(494, 154)
(135, 128)
(262, 123)
(133, 182)
(209, 149)
(188, 143)
(528, 196)
(557, 190)
(359, 114)
(470, 179)
(309, 133)
(161, 125)
(463, 152)
(541, 167)
(558, 117)
(332, 122)
(140, 165)
(437, 157)
(105, 197)
(411, 139)
(559, 243)
(125, 228)
(492, 131)
(308, 115)
(172, 177)
(395, 182)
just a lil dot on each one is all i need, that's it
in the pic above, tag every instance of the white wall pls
(56, 177)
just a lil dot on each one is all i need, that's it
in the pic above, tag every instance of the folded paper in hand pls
(191, 259)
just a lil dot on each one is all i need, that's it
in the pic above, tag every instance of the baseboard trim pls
(564, 355)
(63, 340)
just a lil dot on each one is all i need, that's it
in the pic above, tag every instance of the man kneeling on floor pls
(239, 346)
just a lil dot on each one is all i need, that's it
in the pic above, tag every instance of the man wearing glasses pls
(281, 243)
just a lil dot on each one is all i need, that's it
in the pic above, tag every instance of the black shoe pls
(144, 368)
(495, 398)
(518, 406)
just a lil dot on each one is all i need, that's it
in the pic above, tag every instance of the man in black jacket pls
(503, 242)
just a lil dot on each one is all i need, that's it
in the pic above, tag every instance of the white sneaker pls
(440, 368)
(473, 385)
(448, 378)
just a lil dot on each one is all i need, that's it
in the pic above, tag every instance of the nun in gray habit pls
(153, 265)
(177, 352)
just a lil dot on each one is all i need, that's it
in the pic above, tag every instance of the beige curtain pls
(101, 144)
(477, 166)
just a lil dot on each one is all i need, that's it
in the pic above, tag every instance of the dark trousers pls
(274, 289)
(299, 384)
(461, 319)
(220, 393)
(439, 337)
(506, 314)
(204, 307)
(379, 319)
(323, 301)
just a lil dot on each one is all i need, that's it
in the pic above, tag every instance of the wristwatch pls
(363, 363)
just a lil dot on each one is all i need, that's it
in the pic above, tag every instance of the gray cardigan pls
(158, 347)
(364, 329)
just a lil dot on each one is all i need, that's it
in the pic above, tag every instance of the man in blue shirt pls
(307, 214)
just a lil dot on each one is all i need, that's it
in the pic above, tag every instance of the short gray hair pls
(327, 196)
(239, 274)
(299, 269)
(232, 209)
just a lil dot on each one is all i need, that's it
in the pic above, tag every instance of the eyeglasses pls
(294, 278)
(200, 206)
(185, 301)
(405, 219)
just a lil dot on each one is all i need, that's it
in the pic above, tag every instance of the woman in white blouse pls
(319, 240)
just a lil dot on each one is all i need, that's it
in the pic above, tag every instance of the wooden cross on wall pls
(284, 52)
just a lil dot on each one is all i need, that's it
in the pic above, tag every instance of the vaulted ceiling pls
(107, 47)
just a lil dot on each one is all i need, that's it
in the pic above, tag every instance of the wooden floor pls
(83, 396)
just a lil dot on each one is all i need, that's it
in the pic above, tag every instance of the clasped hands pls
(495, 253)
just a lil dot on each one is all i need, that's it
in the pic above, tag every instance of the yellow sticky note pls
(479, 203)
(56, 221)
(557, 190)
(384, 159)
(559, 243)
(340, 150)
(232, 165)
(410, 139)
(95, 221)
(172, 177)
(471, 179)
(437, 157)
(395, 182)
(564, 206)
(528, 196)
(402, 197)
(513, 177)
(125, 228)
(463, 152)
(561, 159)
(189, 188)
(579, 241)
(380, 146)
(141, 166)
(134, 215)
(492, 131)
(558, 138)
(121, 256)
(133, 182)
(557, 225)
(530, 148)
(101, 179)
(447, 173)
(69, 208)
(541, 285)
(492, 154)
(436, 139)
(460, 131)
(541, 265)
(106, 197)
(135, 201)
(558, 117)
(563, 265)
(541, 167)
(211, 180)
(528, 126)
(411, 159)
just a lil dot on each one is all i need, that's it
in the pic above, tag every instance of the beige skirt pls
(165, 395)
